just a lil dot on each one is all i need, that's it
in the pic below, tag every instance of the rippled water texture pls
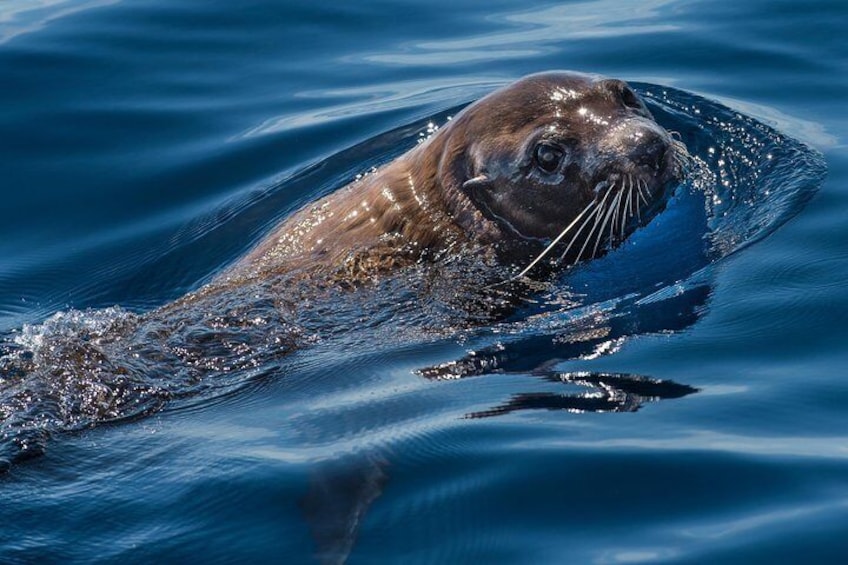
(679, 399)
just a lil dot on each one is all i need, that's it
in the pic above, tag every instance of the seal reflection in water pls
(559, 166)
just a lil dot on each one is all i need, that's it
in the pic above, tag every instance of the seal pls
(551, 170)
(562, 165)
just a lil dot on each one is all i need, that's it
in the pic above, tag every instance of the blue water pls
(688, 405)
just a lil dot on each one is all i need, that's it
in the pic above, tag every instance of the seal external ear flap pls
(478, 182)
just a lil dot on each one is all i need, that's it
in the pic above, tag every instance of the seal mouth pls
(624, 199)
(621, 205)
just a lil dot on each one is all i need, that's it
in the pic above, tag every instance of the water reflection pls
(18, 17)
(534, 32)
(590, 337)
(607, 392)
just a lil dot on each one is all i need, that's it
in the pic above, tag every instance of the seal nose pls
(651, 151)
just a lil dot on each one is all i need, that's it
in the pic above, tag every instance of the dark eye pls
(548, 157)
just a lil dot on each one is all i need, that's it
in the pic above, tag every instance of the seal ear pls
(457, 167)
(477, 183)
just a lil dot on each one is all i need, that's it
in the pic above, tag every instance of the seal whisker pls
(573, 240)
(576, 234)
(553, 243)
(622, 215)
(607, 217)
(604, 215)
(681, 155)
(638, 203)
(639, 187)
(626, 211)
(599, 223)
(617, 203)
(613, 212)
(601, 207)
(601, 231)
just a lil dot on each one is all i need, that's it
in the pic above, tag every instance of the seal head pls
(561, 156)
(560, 164)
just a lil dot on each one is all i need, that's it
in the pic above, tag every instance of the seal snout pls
(651, 152)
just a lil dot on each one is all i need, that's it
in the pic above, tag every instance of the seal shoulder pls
(384, 220)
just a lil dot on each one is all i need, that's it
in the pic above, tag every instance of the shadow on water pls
(72, 372)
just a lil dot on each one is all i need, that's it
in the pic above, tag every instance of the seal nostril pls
(652, 153)
(623, 93)
(658, 156)
(629, 98)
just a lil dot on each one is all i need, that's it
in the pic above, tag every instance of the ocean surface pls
(682, 399)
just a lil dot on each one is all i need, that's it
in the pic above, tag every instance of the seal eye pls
(548, 157)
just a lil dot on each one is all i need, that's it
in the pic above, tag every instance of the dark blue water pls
(685, 403)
